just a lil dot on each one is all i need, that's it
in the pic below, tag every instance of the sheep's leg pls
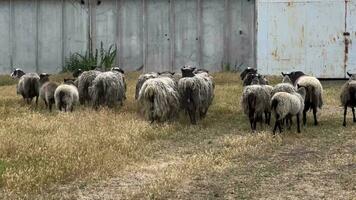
(298, 123)
(192, 117)
(36, 101)
(279, 126)
(315, 109)
(353, 113)
(50, 107)
(276, 124)
(345, 112)
(304, 117)
(46, 103)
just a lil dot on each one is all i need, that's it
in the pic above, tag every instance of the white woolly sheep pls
(28, 85)
(84, 81)
(196, 91)
(108, 89)
(348, 96)
(47, 90)
(285, 104)
(141, 80)
(314, 92)
(158, 99)
(66, 96)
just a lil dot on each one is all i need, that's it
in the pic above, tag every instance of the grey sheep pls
(314, 92)
(285, 104)
(250, 76)
(196, 91)
(285, 86)
(84, 81)
(158, 99)
(108, 89)
(28, 85)
(348, 96)
(66, 96)
(47, 90)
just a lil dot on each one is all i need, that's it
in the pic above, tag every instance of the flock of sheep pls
(295, 96)
(161, 96)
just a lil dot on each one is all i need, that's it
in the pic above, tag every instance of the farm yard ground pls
(115, 154)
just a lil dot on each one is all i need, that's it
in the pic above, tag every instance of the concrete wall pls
(306, 35)
(37, 35)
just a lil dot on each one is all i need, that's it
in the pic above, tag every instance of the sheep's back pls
(346, 91)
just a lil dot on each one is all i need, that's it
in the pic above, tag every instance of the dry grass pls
(115, 154)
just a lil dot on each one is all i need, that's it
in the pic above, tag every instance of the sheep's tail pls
(274, 105)
(61, 96)
(33, 87)
(149, 95)
(352, 92)
(251, 98)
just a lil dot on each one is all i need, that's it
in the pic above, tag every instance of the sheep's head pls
(187, 71)
(77, 73)
(294, 75)
(17, 73)
(352, 76)
(44, 77)
(118, 69)
(248, 70)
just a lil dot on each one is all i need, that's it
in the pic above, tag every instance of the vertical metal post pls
(199, 33)
(255, 32)
(92, 25)
(37, 5)
(11, 34)
(172, 33)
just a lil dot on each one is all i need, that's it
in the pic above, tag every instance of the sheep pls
(314, 92)
(348, 96)
(77, 73)
(158, 99)
(250, 76)
(141, 80)
(66, 96)
(285, 86)
(247, 71)
(196, 91)
(255, 101)
(108, 89)
(47, 90)
(84, 81)
(28, 85)
(285, 104)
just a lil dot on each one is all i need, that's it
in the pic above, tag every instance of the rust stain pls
(275, 54)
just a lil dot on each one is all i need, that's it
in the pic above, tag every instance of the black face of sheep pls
(118, 69)
(169, 73)
(294, 75)
(77, 73)
(250, 77)
(17, 73)
(248, 70)
(44, 77)
(187, 71)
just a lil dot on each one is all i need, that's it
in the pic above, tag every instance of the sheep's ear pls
(298, 86)
(349, 74)
(159, 73)
(173, 73)
(283, 74)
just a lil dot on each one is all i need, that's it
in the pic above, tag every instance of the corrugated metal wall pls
(157, 34)
(307, 35)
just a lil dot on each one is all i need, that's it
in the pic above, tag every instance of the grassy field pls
(115, 154)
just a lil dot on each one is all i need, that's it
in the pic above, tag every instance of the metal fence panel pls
(5, 50)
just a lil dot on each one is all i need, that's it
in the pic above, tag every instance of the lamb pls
(196, 91)
(84, 81)
(158, 99)
(348, 96)
(47, 90)
(284, 104)
(28, 85)
(314, 92)
(108, 89)
(66, 96)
